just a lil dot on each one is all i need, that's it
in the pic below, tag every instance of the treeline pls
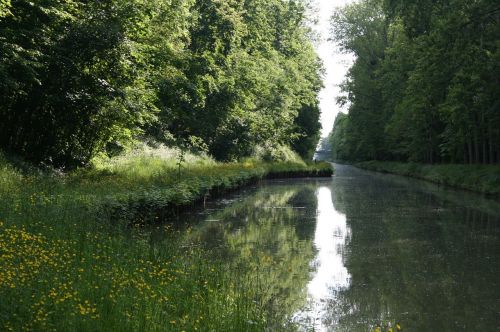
(425, 85)
(82, 77)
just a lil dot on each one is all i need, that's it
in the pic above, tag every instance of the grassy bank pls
(70, 260)
(479, 178)
(144, 189)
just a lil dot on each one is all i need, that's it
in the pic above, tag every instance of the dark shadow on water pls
(421, 255)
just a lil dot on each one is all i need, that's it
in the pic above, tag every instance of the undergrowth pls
(479, 178)
(73, 256)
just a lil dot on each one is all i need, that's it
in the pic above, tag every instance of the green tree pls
(78, 78)
(246, 78)
(361, 28)
(338, 138)
(423, 86)
(67, 70)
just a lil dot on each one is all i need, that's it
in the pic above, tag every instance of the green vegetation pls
(338, 137)
(270, 239)
(84, 82)
(298, 170)
(146, 184)
(424, 86)
(79, 78)
(479, 178)
(73, 258)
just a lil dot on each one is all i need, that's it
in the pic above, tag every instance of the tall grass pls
(73, 257)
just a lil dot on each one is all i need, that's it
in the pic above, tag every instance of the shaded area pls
(418, 255)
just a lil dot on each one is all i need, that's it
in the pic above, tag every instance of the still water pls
(363, 250)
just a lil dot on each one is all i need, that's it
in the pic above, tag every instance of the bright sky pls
(336, 64)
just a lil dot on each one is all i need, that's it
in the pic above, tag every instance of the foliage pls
(67, 69)
(271, 153)
(4, 7)
(80, 78)
(291, 169)
(242, 85)
(423, 87)
(338, 137)
(72, 260)
(480, 178)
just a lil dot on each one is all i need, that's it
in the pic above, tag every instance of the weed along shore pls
(483, 179)
(70, 260)
(195, 185)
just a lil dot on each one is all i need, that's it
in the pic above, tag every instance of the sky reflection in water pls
(331, 235)
(365, 249)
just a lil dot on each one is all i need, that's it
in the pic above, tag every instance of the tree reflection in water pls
(330, 276)
(418, 254)
(362, 250)
(266, 239)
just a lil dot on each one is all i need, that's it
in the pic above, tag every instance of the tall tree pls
(80, 77)
(431, 94)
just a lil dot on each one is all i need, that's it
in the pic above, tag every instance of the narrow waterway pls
(363, 250)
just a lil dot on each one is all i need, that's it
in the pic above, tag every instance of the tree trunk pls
(490, 145)
(476, 147)
(485, 153)
(469, 148)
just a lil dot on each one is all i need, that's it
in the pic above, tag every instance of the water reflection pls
(266, 236)
(419, 255)
(363, 250)
(331, 275)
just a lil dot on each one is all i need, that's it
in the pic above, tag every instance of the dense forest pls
(425, 85)
(79, 78)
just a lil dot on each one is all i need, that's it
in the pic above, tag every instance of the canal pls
(363, 250)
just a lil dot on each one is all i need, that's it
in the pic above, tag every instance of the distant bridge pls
(323, 155)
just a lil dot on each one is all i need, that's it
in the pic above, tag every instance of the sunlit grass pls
(103, 281)
(73, 256)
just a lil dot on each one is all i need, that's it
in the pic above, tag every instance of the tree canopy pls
(425, 84)
(78, 77)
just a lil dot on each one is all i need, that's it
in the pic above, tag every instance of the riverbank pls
(162, 196)
(483, 179)
(71, 261)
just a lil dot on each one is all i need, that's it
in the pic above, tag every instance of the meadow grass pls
(479, 178)
(74, 255)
